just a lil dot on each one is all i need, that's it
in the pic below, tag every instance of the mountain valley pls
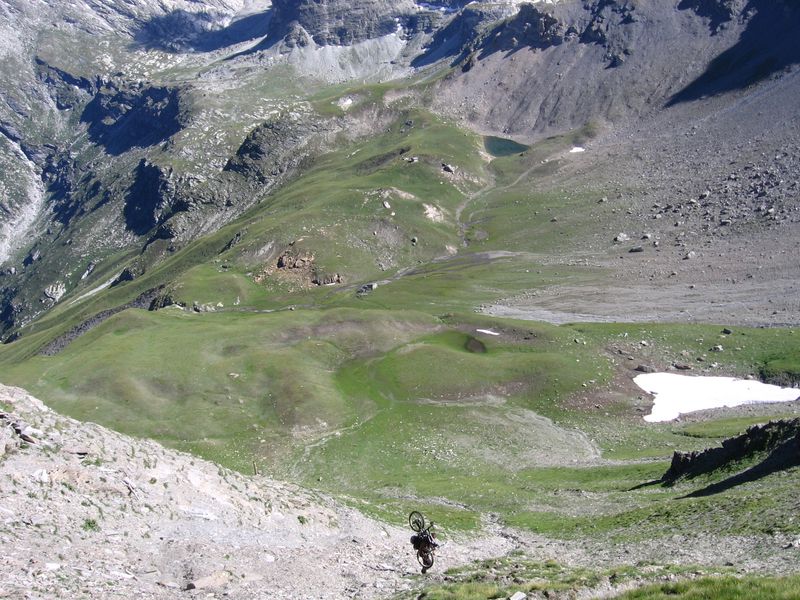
(403, 256)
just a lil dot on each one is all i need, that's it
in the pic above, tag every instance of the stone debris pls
(215, 580)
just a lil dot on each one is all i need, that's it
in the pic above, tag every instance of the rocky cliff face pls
(337, 22)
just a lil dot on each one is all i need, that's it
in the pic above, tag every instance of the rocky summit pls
(281, 273)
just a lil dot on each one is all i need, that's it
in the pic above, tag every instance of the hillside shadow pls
(767, 45)
(119, 120)
(646, 484)
(785, 456)
(717, 13)
(181, 31)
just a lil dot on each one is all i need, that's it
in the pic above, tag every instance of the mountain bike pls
(423, 540)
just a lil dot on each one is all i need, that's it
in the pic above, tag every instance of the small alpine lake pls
(498, 147)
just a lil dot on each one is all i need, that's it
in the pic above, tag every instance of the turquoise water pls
(502, 147)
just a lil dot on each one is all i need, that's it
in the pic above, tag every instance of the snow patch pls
(577, 149)
(679, 394)
(487, 331)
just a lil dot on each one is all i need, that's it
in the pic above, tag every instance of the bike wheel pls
(425, 559)
(416, 520)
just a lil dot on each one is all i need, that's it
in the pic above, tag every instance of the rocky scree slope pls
(552, 68)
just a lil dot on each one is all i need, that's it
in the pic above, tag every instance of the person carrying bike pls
(423, 540)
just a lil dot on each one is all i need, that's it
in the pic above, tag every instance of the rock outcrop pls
(781, 435)
(338, 22)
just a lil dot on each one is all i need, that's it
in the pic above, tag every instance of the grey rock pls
(338, 22)
(216, 580)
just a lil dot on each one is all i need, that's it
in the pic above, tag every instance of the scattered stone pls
(292, 261)
(215, 580)
(168, 584)
(727, 331)
(636, 249)
(645, 369)
(716, 348)
(622, 237)
(447, 168)
(518, 596)
(55, 291)
(327, 279)
(41, 476)
(89, 269)
(682, 367)
(690, 255)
